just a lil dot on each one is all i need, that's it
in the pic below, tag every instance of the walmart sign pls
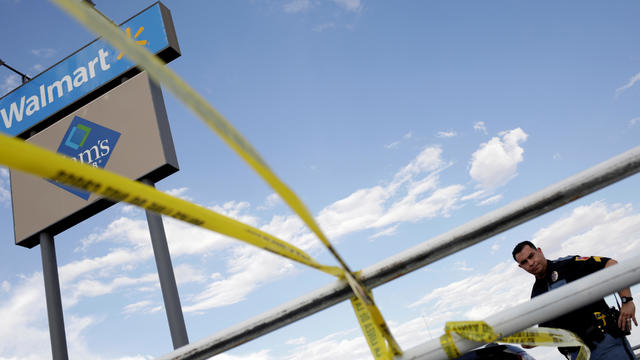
(85, 71)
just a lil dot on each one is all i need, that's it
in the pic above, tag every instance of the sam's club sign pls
(88, 143)
(83, 72)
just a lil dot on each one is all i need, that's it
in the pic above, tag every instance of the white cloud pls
(395, 144)
(480, 126)
(236, 210)
(349, 5)
(476, 195)
(186, 239)
(136, 357)
(495, 162)
(333, 347)
(76, 327)
(24, 313)
(392, 145)
(594, 229)
(5, 193)
(292, 230)
(44, 52)
(249, 268)
(634, 79)
(483, 197)
(350, 344)
(356, 212)
(323, 27)
(5, 286)
(412, 208)
(296, 6)
(476, 297)
(10, 82)
(260, 355)
(492, 200)
(447, 134)
(144, 306)
(180, 193)
(412, 195)
(386, 232)
(104, 265)
(92, 288)
(297, 341)
(634, 121)
(186, 273)
(271, 201)
(429, 159)
(131, 210)
(182, 238)
(462, 266)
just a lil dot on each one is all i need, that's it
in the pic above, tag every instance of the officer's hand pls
(627, 313)
(528, 346)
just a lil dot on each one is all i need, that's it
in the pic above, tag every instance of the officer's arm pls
(628, 310)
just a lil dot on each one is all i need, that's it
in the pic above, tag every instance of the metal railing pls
(486, 226)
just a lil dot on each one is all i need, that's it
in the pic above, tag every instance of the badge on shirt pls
(554, 276)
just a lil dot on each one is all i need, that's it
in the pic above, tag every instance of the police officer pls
(596, 324)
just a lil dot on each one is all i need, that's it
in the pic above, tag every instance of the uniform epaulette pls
(566, 258)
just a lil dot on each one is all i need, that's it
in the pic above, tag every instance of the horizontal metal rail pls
(542, 308)
(486, 226)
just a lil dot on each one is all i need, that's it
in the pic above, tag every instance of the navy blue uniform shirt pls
(566, 270)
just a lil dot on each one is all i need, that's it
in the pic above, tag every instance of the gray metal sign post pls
(54, 300)
(167, 278)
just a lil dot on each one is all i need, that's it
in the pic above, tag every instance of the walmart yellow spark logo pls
(138, 42)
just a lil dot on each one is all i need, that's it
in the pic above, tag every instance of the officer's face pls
(532, 261)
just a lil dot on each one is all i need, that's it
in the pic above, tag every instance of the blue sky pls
(393, 121)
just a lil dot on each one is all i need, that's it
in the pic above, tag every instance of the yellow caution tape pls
(372, 322)
(373, 334)
(480, 331)
(163, 75)
(29, 158)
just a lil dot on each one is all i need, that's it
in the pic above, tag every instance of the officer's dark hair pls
(521, 246)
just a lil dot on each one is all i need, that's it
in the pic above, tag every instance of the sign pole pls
(54, 300)
(167, 278)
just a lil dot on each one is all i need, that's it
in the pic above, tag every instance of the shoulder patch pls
(584, 258)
